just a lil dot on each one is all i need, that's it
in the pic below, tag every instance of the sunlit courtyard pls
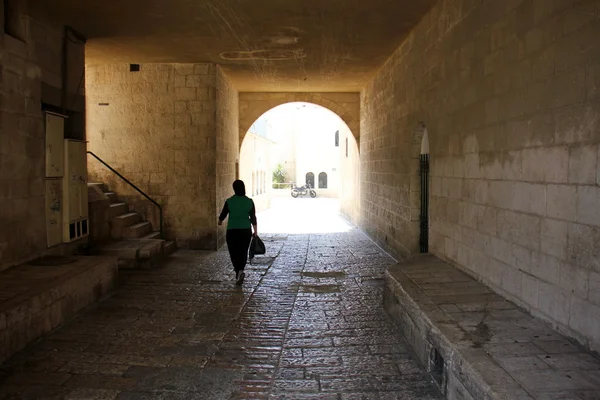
(303, 215)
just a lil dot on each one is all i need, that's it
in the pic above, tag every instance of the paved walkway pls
(307, 324)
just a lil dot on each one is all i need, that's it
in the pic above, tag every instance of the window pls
(14, 23)
(262, 182)
(337, 138)
(257, 184)
(322, 180)
(134, 67)
(310, 179)
(346, 147)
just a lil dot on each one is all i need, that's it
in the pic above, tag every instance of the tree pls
(278, 175)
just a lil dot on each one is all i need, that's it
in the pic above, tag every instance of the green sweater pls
(241, 210)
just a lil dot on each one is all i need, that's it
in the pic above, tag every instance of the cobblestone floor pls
(307, 324)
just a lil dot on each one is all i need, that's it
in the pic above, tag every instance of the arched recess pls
(310, 179)
(323, 180)
(344, 105)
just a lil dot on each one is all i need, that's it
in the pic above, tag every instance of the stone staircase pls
(133, 240)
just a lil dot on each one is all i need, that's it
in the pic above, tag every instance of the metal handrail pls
(160, 211)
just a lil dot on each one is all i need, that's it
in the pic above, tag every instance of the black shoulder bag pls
(256, 247)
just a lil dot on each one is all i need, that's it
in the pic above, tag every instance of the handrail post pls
(160, 215)
(160, 211)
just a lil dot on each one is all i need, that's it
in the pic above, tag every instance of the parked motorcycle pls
(303, 190)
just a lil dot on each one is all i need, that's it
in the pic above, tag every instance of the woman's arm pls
(224, 213)
(253, 219)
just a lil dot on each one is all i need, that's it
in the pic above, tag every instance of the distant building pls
(256, 168)
(308, 141)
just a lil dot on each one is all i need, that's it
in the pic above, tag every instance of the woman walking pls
(242, 216)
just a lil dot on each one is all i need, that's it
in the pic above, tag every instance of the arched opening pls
(323, 180)
(310, 179)
(298, 144)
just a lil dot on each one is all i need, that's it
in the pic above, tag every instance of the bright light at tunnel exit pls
(309, 143)
(303, 216)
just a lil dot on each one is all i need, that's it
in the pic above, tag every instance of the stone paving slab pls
(308, 323)
(491, 348)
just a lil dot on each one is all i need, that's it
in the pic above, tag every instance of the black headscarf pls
(239, 188)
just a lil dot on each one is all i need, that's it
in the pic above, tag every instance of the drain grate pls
(321, 288)
(326, 274)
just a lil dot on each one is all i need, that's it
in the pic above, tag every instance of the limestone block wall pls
(349, 190)
(389, 161)
(157, 128)
(227, 155)
(509, 92)
(345, 105)
(30, 73)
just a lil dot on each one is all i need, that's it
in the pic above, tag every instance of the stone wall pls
(157, 128)
(349, 191)
(509, 93)
(30, 73)
(227, 144)
(345, 105)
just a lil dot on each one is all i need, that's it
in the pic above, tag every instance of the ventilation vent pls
(436, 369)
(78, 229)
(134, 67)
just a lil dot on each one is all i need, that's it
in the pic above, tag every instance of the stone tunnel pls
(471, 264)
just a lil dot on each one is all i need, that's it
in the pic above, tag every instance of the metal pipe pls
(424, 231)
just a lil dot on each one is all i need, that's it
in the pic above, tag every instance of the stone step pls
(128, 219)
(49, 291)
(112, 197)
(124, 263)
(170, 248)
(152, 249)
(463, 334)
(122, 222)
(121, 249)
(117, 209)
(151, 235)
(137, 230)
(101, 185)
(135, 253)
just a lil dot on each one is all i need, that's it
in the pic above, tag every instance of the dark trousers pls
(238, 243)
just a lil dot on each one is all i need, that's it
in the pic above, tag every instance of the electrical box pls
(75, 195)
(55, 134)
(54, 219)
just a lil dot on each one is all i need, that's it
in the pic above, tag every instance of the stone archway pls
(345, 105)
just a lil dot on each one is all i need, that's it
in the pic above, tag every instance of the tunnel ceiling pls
(263, 45)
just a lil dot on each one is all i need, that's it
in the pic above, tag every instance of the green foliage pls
(278, 174)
